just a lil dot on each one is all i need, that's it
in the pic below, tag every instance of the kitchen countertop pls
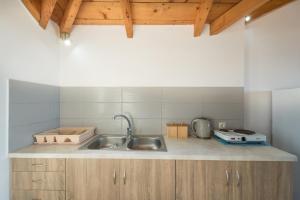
(189, 149)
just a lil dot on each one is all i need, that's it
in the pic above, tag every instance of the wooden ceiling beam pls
(201, 16)
(242, 9)
(69, 16)
(47, 7)
(126, 10)
(34, 7)
(268, 7)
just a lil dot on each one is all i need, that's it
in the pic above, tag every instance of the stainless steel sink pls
(106, 142)
(120, 142)
(147, 143)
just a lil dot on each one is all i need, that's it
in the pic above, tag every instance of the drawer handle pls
(37, 165)
(238, 178)
(37, 180)
(227, 177)
(114, 177)
(124, 178)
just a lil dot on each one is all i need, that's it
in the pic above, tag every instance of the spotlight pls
(248, 18)
(65, 37)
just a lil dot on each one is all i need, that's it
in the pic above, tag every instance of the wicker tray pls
(69, 135)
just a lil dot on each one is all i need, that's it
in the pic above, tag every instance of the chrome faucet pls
(129, 129)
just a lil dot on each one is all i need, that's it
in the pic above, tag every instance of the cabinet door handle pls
(124, 178)
(114, 177)
(227, 177)
(37, 180)
(37, 165)
(238, 177)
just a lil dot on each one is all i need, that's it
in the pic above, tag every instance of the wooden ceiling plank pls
(126, 10)
(217, 10)
(47, 7)
(168, 1)
(164, 11)
(146, 12)
(268, 7)
(201, 17)
(57, 14)
(100, 10)
(69, 16)
(34, 7)
(242, 9)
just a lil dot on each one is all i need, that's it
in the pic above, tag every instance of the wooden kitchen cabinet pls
(243, 180)
(92, 179)
(273, 181)
(262, 181)
(33, 179)
(215, 180)
(100, 179)
(113, 179)
(203, 180)
(147, 180)
(218, 178)
(190, 180)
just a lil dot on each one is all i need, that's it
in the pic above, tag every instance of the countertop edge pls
(157, 157)
(190, 149)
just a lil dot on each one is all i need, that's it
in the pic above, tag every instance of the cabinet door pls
(147, 180)
(92, 179)
(243, 176)
(190, 180)
(273, 181)
(219, 180)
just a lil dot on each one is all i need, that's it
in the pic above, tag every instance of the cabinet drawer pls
(38, 195)
(38, 165)
(38, 180)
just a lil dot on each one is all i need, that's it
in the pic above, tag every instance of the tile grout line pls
(161, 110)
(122, 110)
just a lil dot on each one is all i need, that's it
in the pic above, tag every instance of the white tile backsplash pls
(181, 110)
(35, 108)
(150, 107)
(145, 94)
(144, 127)
(142, 110)
(99, 110)
(96, 94)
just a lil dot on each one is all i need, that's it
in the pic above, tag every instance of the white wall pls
(156, 56)
(26, 53)
(272, 62)
(286, 126)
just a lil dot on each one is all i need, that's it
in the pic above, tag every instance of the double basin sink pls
(118, 142)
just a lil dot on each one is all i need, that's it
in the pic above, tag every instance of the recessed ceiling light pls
(67, 42)
(65, 37)
(248, 18)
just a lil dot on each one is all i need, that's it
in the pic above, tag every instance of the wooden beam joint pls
(126, 10)
(69, 16)
(47, 7)
(242, 9)
(34, 7)
(201, 17)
